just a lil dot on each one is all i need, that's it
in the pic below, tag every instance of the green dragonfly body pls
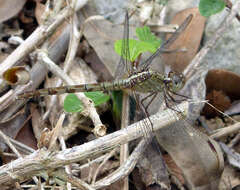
(144, 81)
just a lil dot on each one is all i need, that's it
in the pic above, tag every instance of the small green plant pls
(147, 42)
(72, 104)
(210, 7)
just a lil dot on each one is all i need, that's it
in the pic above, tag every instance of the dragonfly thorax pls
(152, 81)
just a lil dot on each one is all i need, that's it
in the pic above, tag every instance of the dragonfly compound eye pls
(178, 81)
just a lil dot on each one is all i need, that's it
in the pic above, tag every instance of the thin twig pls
(67, 167)
(75, 37)
(124, 152)
(125, 169)
(73, 180)
(24, 148)
(226, 131)
(109, 155)
(229, 5)
(56, 132)
(8, 142)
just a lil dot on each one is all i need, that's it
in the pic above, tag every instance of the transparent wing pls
(167, 43)
(124, 66)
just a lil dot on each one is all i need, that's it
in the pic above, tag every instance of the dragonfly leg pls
(153, 95)
(148, 127)
(184, 97)
(166, 98)
(172, 99)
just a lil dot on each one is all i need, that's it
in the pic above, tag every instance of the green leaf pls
(210, 7)
(136, 47)
(97, 97)
(144, 34)
(72, 104)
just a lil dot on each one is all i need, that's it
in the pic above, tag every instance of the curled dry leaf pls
(16, 75)
(9, 9)
(189, 39)
(222, 89)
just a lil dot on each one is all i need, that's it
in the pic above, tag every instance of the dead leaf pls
(219, 100)
(174, 169)
(189, 39)
(37, 123)
(25, 136)
(226, 81)
(222, 89)
(16, 75)
(8, 9)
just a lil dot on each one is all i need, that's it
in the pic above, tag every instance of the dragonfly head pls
(175, 81)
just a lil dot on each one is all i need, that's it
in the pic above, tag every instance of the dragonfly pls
(142, 79)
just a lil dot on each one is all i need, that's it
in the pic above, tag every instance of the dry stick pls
(44, 159)
(234, 141)
(229, 5)
(75, 36)
(226, 131)
(89, 108)
(73, 45)
(11, 97)
(4, 97)
(56, 132)
(26, 186)
(125, 169)
(38, 36)
(124, 152)
(58, 4)
(107, 157)
(73, 180)
(67, 167)
(195, 63)
(8, 142)
(95, 161)
(24, 148)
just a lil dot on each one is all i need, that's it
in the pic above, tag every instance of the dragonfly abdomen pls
(104, 86)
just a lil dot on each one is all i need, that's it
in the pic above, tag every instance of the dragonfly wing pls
(168, 42)
(192, 151)
(124, 66)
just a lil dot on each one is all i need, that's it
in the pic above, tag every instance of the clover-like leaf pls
(210, 7)
(144, 34)
(136, 47)
(72, 104)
